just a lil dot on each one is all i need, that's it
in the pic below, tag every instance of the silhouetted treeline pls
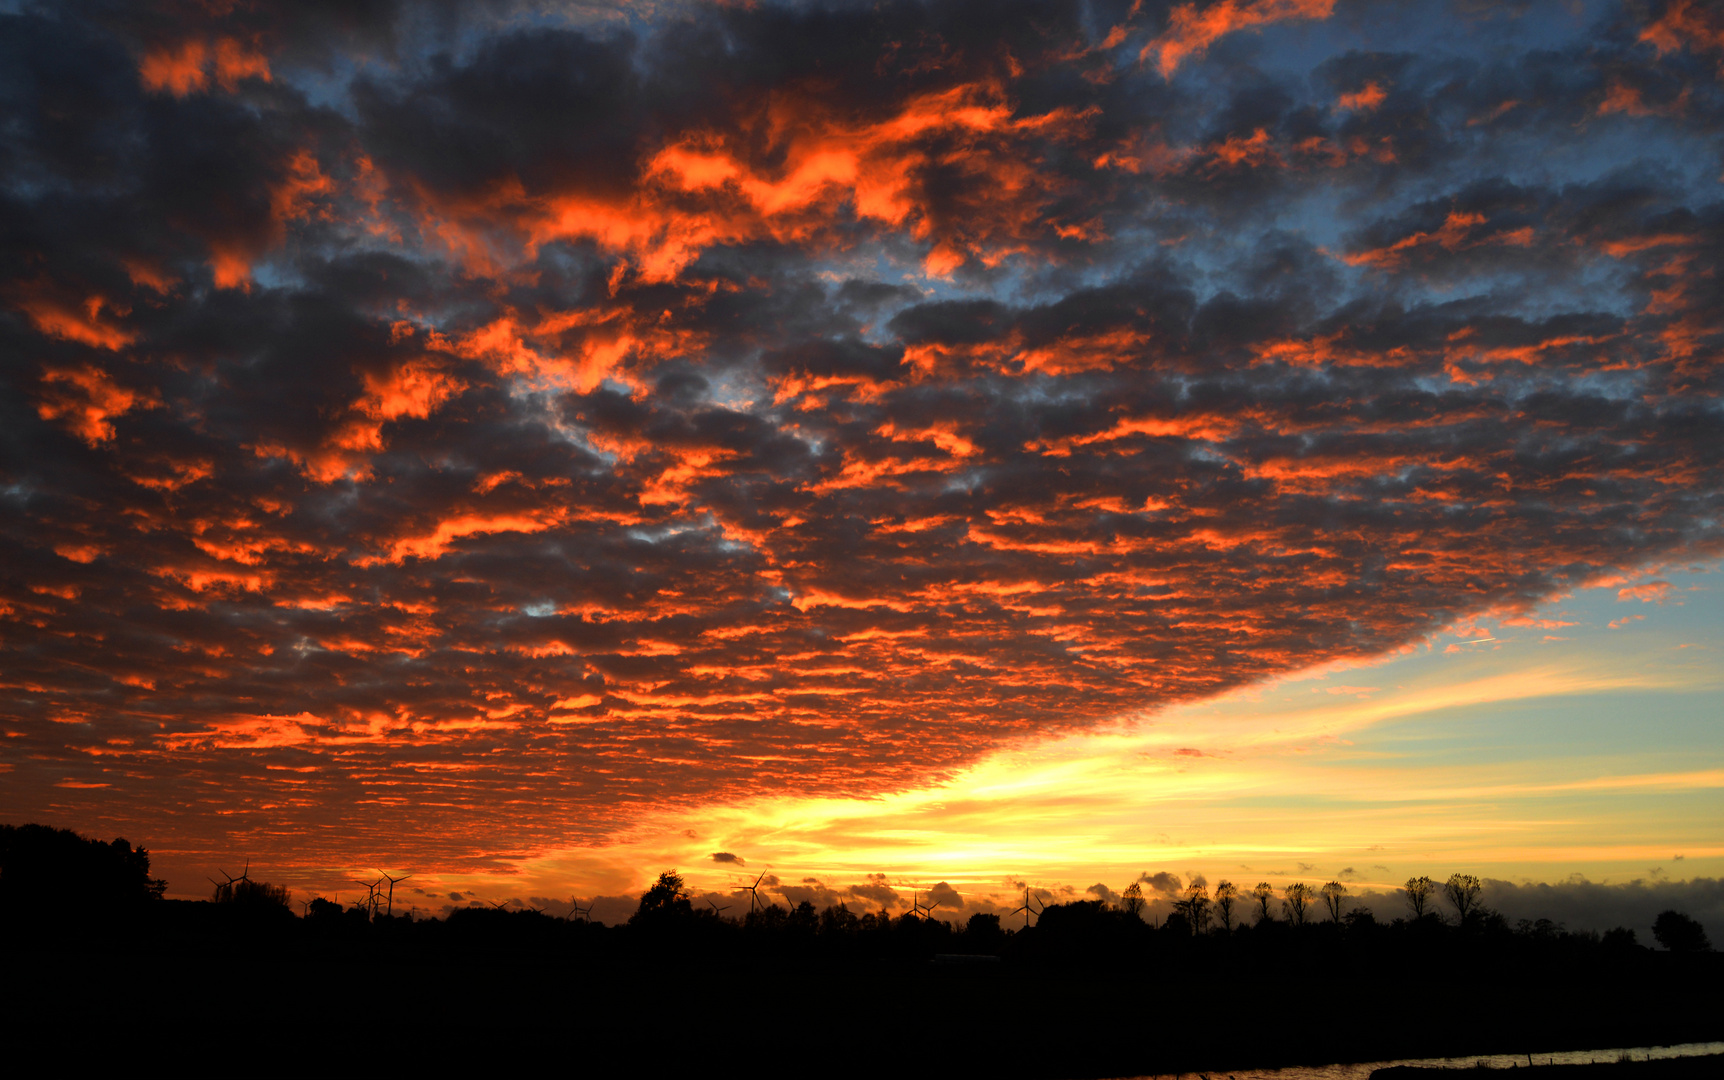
(54, 871)
(55, 875)
(1090, 988)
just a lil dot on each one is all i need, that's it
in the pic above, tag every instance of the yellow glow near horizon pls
(1289, 780)
(1265, 779)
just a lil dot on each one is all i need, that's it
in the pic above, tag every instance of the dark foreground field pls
(196, 989)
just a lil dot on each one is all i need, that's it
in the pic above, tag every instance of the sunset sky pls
(876, 445)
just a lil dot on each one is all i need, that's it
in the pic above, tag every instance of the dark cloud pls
(727, 857)
(1103, 893)
(945, 898)
(1162, 882)
(875, 891)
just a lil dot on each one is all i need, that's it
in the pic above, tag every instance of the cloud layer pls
(480, 426)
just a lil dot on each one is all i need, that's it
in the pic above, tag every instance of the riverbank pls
(1709, 1067)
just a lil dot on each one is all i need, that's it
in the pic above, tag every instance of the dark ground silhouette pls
(1090, 990)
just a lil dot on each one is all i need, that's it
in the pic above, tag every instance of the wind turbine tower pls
(753, 892)
(392, 881)
(1025, 908)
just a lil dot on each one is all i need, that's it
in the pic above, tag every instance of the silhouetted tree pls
(1263, 893)
(323, 910)
(983, 931)
(1333, 893)
(771, 917)
(803, 919)
(1225, 894)
(1463, 891)
(838, 921)
(1620, 939)
(876, 922)
(1680, 934)
(1539, 929)
(1297, 900)
(1195, 907)
(1419, 893)
(667, 898)
(1131, 901)
(246, 893)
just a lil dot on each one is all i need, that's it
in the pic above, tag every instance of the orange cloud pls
(432, 544)
(290, 198)
(706, 188)
(188, 67)
(87, 400)
(1651, 592)
(1191, 30)
(55, 314)
(176, 69)
(1459, 232)
(1623, 98)
(1686, 24)
(1364, 99)
(1636, 244)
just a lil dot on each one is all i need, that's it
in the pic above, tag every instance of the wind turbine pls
(1025, 908)
(715, 907)
(586, 913)
(926, 911)
(392, 881)
(753, 892)
(371, 895)
(229, 889)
